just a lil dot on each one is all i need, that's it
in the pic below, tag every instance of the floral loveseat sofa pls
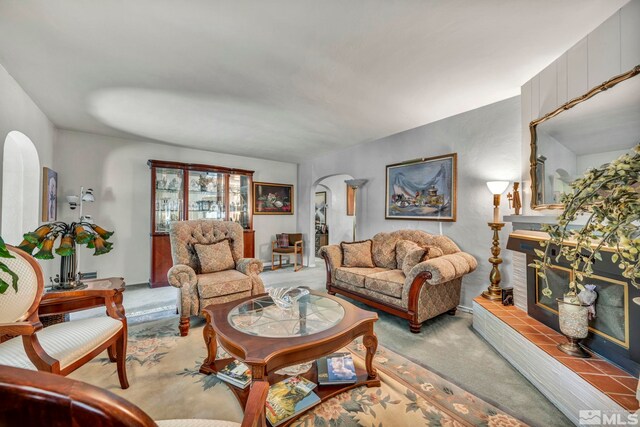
(409, 273)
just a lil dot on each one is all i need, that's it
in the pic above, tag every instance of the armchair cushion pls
(282, 240)
(357, 254)
(287, 250)
(215, 257)
(388, 282)
(65, 342)
(221, 283)
(356, 275)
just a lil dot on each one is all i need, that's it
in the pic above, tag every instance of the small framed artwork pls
(507, 296)
(350, 200)
(321, 208)
(49, 195)
(272, 199)
(424, 189)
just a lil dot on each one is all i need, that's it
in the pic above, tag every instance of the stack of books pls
(288, 398)
(336, 368)
(236, 373)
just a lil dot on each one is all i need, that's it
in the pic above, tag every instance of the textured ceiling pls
(279, 79)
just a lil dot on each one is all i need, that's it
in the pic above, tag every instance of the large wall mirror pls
(586, 132)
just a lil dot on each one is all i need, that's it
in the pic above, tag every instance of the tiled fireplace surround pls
(573, 384)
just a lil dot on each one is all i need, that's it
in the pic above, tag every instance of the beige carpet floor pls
(165, 382)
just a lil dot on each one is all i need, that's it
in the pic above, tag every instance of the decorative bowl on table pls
(285, 298)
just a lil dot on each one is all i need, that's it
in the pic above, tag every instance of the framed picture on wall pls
(423, 189)
(321, 209)
(49, 195)
(272, 199)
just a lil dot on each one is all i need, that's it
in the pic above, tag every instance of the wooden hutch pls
(184, 191)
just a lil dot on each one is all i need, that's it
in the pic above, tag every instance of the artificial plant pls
(83, 233)
(4, 253)
(610, 197)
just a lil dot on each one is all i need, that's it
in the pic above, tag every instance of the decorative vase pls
(574, 324)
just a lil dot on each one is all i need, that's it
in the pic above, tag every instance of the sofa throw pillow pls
(357, 254)
(402, 249)
(283, 240)
(416, 256)
(215, 257)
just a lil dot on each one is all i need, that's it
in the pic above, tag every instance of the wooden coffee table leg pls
(370, 341)
(257, 373)
(209, 334)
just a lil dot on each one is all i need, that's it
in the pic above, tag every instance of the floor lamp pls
(355, 184)
(494, 291)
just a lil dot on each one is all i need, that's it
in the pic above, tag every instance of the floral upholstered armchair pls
(208, 266)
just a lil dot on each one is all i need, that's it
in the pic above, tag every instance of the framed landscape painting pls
(49, 195)
(422, 189)
(272, 199)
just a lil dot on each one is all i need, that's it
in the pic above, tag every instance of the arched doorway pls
(338, 224)
(20, 187)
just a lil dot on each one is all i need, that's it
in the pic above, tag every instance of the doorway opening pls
(331, 224)
(20, 187)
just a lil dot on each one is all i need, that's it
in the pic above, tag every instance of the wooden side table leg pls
(370, 341)
(209, 334)
(257, 373)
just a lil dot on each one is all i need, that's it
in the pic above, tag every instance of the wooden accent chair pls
(198, 289)
(38, 398)
(61, 348)
(295, 247)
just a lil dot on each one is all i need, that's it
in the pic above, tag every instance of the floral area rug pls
(164, 381)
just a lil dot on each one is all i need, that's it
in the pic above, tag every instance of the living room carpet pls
(165, 382)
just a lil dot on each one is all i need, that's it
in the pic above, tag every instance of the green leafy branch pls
(610, 195)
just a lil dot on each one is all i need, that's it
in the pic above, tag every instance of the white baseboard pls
(465, 309)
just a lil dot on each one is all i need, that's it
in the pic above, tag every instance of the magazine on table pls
(288, 398)
(337, 368)
(236, 373)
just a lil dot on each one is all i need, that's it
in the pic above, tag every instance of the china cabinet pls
(183, 191)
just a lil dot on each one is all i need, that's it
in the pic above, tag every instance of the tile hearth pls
(604, 376)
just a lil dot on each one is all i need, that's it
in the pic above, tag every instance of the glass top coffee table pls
(267, 338)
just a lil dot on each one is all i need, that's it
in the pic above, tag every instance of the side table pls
(55, 304)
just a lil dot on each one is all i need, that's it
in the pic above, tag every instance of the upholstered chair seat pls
(61, 348)
(66, 342)
(237, 278)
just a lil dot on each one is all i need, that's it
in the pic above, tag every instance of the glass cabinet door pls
(206, 195)
(239, 200)
(169, 198)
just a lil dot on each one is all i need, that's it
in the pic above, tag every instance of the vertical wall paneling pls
(535, 96)
(561, 80)
(604, 51)
(526, 117)
(630, 35)
(548, 89)
(577, 69)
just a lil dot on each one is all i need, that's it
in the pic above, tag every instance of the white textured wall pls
(117, 170)
(19, 113)
(487, 141)
(340, 225)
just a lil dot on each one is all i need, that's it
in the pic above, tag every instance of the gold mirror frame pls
(533, 159)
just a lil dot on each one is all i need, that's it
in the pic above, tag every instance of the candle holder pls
(494, 291)
(573, 319)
